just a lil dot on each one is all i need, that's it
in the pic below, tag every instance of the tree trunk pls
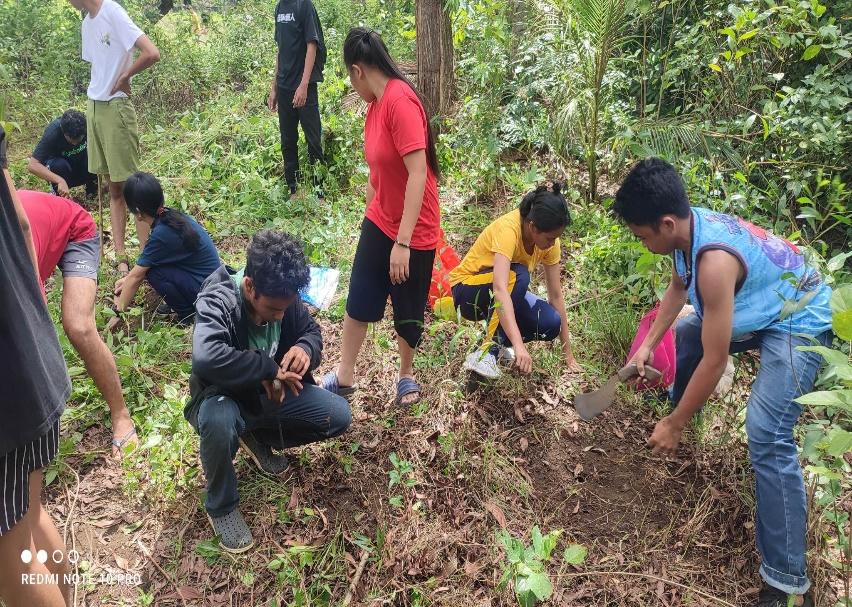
(517, 17)
(435, 78)
(448, 74)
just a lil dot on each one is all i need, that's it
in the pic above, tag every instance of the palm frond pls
(602, 20)
(670, 138)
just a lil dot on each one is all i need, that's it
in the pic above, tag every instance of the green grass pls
(207, 135)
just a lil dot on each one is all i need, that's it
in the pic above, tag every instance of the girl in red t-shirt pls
(399, 234)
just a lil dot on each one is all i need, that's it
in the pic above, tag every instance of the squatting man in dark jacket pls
(253, 350)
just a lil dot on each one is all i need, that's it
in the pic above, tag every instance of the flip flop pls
(119, 443)
(330, 382)
(404, 387)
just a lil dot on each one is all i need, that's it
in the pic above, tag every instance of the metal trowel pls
(592, 404)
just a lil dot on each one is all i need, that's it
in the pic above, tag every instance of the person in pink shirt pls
(396, 250)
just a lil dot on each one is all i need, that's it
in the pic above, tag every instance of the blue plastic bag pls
(323, 285)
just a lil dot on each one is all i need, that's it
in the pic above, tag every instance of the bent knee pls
(80, 330)
(548, 323)
(551, 328)
(340, 417)
(766, 430)
(218, 418)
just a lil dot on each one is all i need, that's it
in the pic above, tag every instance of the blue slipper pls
(330, 382)
(404, 387)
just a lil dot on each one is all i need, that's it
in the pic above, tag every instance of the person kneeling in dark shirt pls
(253, 351)
(61, 157)
(177, 258)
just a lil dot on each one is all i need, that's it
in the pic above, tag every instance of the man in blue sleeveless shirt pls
(739, 278)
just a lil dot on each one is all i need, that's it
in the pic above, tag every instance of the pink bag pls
(664, 354)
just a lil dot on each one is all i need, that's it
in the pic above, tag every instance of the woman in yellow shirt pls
(493, 279)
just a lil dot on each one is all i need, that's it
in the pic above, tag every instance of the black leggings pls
(370, 284)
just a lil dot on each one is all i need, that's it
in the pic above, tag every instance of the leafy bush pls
(828, 438)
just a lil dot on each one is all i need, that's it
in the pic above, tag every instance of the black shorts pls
(370, 284)
(15, 469)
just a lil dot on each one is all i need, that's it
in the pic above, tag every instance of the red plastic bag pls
(664, 353)
(446, 259)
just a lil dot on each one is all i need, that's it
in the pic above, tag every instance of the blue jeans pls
(537, 320)
(314, 415)
(785, 374)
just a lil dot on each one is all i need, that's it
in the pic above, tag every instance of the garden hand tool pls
(592, 404)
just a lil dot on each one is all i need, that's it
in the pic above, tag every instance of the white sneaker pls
(483, 364)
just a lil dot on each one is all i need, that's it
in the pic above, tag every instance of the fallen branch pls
(652, 577)
(162, 571)
(69, 522)
(365, 556)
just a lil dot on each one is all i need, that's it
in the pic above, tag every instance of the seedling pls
(402, 474)
(525, 567)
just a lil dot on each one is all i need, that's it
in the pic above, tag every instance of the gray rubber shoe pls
(506, 356)
(262, 455)
(483, 364)
(234, 534)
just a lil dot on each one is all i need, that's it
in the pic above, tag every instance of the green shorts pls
(113, 138)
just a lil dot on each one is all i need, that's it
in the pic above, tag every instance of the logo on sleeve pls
(286, 17)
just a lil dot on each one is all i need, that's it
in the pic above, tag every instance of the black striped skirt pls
(15, 469)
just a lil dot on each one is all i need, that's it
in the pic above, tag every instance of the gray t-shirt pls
(35, 381)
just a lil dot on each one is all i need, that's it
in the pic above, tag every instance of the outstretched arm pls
(506, 312)
(553, 281)
(126, 287)
(125, 290)
(672, 303)
(717, 283)
(38, 169)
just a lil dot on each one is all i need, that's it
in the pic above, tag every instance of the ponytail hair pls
(144, 195)
(546, 208)
(366, 47)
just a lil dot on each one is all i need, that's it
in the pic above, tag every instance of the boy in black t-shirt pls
(298, 68)
(61, 158)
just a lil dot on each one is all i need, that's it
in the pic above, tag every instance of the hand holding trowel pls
(592, 404)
